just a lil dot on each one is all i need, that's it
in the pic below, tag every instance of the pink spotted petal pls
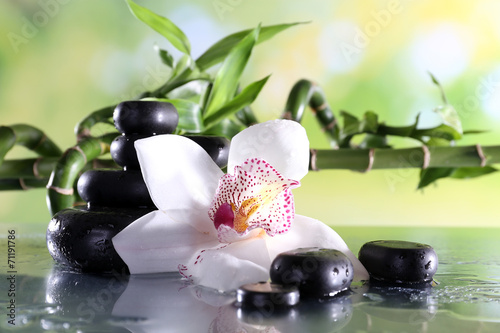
(257, 179)
(276, 218)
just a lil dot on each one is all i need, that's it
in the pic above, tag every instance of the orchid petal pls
(179, 174)
(260, 197)
(157, 243)
(282, 143)
(309, 232)
(228, 266)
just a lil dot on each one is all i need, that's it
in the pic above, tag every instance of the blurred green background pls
(73, 57)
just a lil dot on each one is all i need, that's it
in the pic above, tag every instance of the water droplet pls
(335, 271)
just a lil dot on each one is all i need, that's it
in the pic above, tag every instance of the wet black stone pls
(265, 294)
(123, 151)
(217, 147)
(80, 238)
(145, 117)
(317, 272)
(399, 262)
(114, 188)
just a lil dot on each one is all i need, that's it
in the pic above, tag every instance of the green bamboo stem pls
(29, 137)
(305, 93)
(42, 167)
(10, 184)
(380, 158)
(83, 128)
(60, 193)
(7, 141)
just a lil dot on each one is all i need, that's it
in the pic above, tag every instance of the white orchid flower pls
(222, 231)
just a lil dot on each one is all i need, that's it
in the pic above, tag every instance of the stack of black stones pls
(80, 237)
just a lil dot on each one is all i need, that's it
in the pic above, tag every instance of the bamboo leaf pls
(189, 114)
(184, 64)
(369, 124)
(430, 175)
(243, 99)
(450, 117)
(227, 128)
(464, 173)
(217, 52)
(166, 58)
(227, 78)
(351, 124)
(162, 25)
(442, 132)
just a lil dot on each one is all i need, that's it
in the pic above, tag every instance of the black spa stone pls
(114, 188)
(265, 294)
(399, 262)
(145, 117)
(217, 147)
(80, 238)
(123, 151)
(317, 272)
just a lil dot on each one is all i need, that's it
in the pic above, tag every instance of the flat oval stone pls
(317, 272)
(80, 237)
(114, 188)
(397, 261)
(145, 117)
(265, 294)
(216, 146)
(123, 151)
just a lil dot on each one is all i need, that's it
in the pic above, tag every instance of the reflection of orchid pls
(222, 231)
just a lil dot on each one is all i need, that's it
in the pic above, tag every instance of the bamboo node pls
(314, 154)
(287, 115)
(371, 159)
(480, 153)
(36, 173)
(427, 157)
(330, 125)
(78, 149)
(322, 107)
(23, 184)
(39, 143)
(60, 190)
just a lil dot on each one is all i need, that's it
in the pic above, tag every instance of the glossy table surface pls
(49, 298)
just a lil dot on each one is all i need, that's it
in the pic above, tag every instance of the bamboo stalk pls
(420, 157)
(10, 184)
(7, 141)
(60, 193)
(34, 139)
(82, 129)
(42, 167)
(305, 93)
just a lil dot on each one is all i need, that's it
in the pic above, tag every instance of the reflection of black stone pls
(399, 261)
(86, 299)
(114, 188)
(123, 151)
(317, 272)
(217, 147)
(81, 237)
(145, 117)
(412, 303)
(312, 315)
